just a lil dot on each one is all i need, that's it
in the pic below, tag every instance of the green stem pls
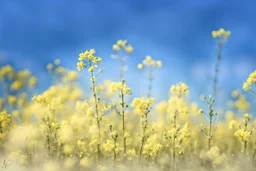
(143, 135)
(217, 66)
(150, 79)
(97, 115)
(174, 143)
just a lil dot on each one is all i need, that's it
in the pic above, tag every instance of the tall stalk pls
(143, 139)
(150, 80)
(174, 142)
(97, 114)
(217, 68)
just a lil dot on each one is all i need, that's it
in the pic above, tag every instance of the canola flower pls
(143, 105)
(92, 63)
(150, 65)
(119, 46)
(177, 107)
(243, 133)
(250, 83)
(222, 35)
(123, 91)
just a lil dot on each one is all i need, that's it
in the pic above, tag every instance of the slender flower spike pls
(123, 50)
(150, 65)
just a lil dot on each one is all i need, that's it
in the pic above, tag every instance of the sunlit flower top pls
(221, 33)
(122, 44)
(150, 63)
(92, 61)
(247, 86)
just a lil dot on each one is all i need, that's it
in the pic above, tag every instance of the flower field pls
(107, 127)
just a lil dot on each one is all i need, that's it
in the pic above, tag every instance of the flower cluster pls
(87, 59)
(222, 33)
(122, 44)
(150, 63)
(251, 80)
(121, 87)
(179, 89)
(5, 124)
(142, 104)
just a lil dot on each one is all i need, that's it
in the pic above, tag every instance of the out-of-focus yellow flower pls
(49, 66)
(56, 62)
(91, 69)
(150, 62)
(250, 81)
(116, 47)
(235, 93)
(32, 81)
(158, 64)
(121, 87)
(143, 104)
(59, 70)
(129, 49)
(179, 89)
(17, 85)
(140, 66)
(15, 113)
(220, 33)
(121, 43)
(80, 65)
(12, 99)
(247, 116)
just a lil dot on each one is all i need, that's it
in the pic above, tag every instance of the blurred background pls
(34, 33)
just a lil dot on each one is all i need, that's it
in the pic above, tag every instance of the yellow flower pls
(200, 111)
(235, 93)
(92, 51)
(246, 87)
(17, 85)
(12, 99)
(158, 64)
(116, 47)
(32, 81)
(221, 33)
(59, 70)
(179, 89)
(56, 61)
(82, 56)
(227, 34)
(215, 34)
(91, 69)
(148, 58)
(140, 66)
(121, 43)
(80, 65)
(99, 59)
(129, 49)
(49, 66)
(247, 116)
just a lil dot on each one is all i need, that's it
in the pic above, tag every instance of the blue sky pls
(33, 33)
